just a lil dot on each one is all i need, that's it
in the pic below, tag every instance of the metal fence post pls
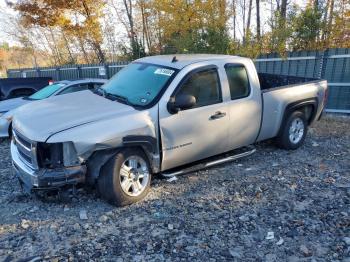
(107, 70)
(79, 71)
(323, 64)
(58, 73)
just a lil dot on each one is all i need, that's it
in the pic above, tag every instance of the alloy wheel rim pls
(134, 176)
(296, 130)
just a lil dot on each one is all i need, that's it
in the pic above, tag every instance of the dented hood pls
(41, 119)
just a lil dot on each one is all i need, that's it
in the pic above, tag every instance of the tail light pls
(50, 82)
(325, 97)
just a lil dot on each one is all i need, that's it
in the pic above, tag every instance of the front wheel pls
(293, 132)
(126, 177)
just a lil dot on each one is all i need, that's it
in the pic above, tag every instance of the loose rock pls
(223, 213)
(83, 215)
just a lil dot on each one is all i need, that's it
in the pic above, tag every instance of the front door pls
(198, 132)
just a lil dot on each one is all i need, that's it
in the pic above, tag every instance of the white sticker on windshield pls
(164, 71)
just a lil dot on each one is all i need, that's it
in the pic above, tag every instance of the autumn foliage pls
(55, 32)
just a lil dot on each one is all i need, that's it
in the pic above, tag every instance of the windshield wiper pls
(119, 98)
(100, 91)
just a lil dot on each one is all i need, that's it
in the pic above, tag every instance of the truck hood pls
(10, 104)
(41, 119)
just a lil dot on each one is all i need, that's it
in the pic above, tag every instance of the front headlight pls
(56, 155)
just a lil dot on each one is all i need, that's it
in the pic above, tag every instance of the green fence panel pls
(331, 64)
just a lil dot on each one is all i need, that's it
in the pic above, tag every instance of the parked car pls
(17, 87)
(160, 114)
(7, 108)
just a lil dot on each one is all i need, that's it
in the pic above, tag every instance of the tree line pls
(96, 31)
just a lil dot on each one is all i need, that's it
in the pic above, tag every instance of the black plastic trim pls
(148, 142)
(293, 106)
(290, 86)
(261, 116)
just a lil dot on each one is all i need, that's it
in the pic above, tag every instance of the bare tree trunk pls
(132, 35)
(57, 51)
(249, 17)
(95, 43)
(145, 30)
(159, 34)
(283, 19)
(71, 58)
(283, 11)
(330, 21)
(81, 45)
(324, 23)
(258, 20)
(243, 24)
(148, 36)
(47, 48)
(234, 19)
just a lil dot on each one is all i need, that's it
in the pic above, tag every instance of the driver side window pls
(204, 86)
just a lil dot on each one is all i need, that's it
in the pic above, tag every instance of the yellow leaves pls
(178, 18)
(2, 58)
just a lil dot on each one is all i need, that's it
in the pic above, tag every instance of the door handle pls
(217, 115)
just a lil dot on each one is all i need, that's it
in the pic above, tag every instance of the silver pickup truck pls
(160, 115)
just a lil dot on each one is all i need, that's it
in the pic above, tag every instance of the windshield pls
(138, 83)
(46, 91)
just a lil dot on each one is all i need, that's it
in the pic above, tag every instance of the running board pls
(225, 158)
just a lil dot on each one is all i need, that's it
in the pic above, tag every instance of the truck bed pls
(16, 87)
(278, 91)
(268, 81)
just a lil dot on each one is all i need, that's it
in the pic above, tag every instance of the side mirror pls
(181, 102)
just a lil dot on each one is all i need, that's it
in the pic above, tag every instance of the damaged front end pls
(44, 165)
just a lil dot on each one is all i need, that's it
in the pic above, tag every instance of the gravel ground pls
(275, 205)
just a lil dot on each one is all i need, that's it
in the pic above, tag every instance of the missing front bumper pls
(50, 179)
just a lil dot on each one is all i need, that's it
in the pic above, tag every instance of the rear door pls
(198, 132)
(244, 105)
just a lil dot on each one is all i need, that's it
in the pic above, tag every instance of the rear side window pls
(97, 85)
(238, 81)
(75, 88)
(204, 86)
(46, 91)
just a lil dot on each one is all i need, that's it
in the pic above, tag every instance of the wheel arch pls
(307, 106)
(17, 92)
(99, 158)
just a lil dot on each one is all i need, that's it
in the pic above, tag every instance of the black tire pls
(10, 131)
(284, 140)
(109, 185)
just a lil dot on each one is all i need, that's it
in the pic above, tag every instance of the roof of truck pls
(182, 59)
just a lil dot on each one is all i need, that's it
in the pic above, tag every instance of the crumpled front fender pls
(109, 133)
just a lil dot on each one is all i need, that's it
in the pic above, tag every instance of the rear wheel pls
(126, 177)
(293, 133)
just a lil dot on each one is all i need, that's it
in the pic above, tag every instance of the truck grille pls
(26, 149)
